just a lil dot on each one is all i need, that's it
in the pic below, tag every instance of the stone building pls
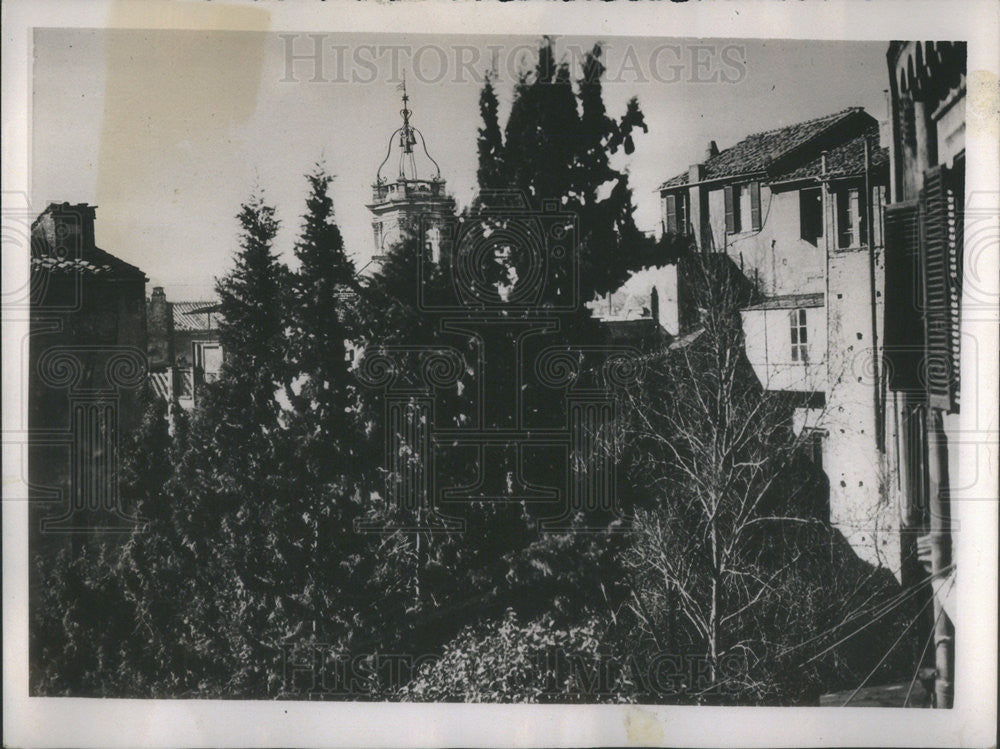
(924, 260)
(648, 294)
(184, 348)
(87, 365)
(797, 211)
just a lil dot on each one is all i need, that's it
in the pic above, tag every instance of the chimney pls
(712, 150)
(159, 330)
(66, 230)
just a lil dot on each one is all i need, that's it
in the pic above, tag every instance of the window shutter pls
(845, 219)
(810, 215)
(670, 211)
(755, 205)
(862, 216)
(956, 185)
(941, 288)
(730, 220)
(903, 336)
(806, 230)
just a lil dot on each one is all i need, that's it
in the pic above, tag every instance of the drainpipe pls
(827, 239)
(939, 502)
(870, 232)
(941, 559)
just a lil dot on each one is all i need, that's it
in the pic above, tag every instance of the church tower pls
(399, 201)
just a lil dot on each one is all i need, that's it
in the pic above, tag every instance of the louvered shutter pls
(730, 218)
(941, 288)
(670, 213)
(956, 183)
(755, 205)
(903, 336)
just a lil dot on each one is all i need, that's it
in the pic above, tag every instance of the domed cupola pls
(408, 185)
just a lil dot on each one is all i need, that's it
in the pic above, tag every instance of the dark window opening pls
(735, 217)
(734, 221)
(811, 215)
(813, 444)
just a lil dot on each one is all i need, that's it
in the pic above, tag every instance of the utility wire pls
(882, 608)
(920, 660)
(892, 647)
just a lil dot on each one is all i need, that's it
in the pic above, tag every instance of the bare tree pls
(732, 554)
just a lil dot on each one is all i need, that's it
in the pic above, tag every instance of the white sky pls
(167, 132)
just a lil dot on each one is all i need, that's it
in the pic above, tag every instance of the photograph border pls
(36, 721)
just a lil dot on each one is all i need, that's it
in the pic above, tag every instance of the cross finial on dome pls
(406, 137)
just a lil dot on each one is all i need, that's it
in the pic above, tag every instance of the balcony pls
(407, 189)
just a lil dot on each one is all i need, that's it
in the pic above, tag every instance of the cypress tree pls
(234, 479)
(317, 318)
(557, 148)
(490, 173)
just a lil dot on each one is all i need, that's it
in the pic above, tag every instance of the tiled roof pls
(841, 161)
(789, 301)
(757, 152)
(91, 262)
(197, 315)
(62, 242)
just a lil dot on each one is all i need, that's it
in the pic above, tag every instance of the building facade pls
(924, 258)
(797, 212)
(184, 348)
(648, 294)
(87, 365)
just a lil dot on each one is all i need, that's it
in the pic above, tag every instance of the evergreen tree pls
(389, 314)
(252, 330)
(235, 479)
(104, 624)
(149, 563)
(611, 245)
(557, 147)
(317, 327)
(317, 522)
(542, 133)
(490, 173)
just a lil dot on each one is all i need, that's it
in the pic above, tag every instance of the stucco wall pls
(864, 485)
(769, 349)
(776, 256)
(629, 299)
(864, 501)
